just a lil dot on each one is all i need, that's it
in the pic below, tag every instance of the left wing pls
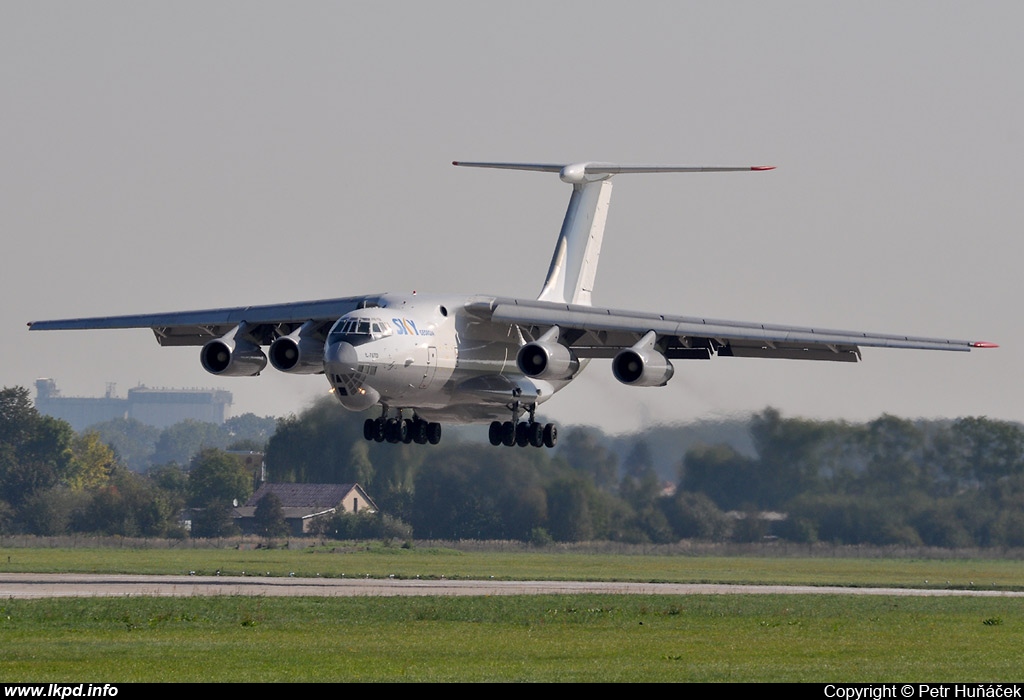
(262, 324)
(597, 332)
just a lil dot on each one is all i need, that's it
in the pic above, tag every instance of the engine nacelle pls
(297, 355)
(642, 365)
(547, 360)
(228, 357)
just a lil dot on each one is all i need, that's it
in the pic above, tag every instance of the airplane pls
(429, 359)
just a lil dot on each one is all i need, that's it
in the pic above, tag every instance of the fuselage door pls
(428, 372)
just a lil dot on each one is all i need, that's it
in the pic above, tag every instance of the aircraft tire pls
(419, 432)
(523, 434)
(508, 433)
(536, 434)
(433, 433)
(369, 429)
(379, 430)
(550, 435)
(408, 426)
(494, 433)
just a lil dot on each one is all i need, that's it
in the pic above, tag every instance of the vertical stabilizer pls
(574, 263)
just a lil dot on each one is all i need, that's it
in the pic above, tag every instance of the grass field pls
(521, 638)
(377, 561)
(818, 638)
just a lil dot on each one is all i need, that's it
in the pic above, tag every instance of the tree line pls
(952, 483)
(948, 483)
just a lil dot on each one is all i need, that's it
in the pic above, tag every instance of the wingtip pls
(763, 167)
(983, 344)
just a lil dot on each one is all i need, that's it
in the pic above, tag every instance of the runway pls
(26, 586)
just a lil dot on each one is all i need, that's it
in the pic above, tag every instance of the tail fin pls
(574, 263)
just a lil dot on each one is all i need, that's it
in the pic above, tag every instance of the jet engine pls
(546, 358)
(229, 357)
(642, 364)
(297, 354)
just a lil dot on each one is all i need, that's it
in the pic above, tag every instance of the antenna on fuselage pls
(573, 268)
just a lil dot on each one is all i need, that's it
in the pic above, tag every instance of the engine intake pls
(296, 354)
(642, 365)
(546, 358)
(229, 357)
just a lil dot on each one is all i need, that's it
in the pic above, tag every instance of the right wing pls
(597, 332)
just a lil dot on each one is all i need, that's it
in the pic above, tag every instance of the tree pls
(695, 516)
(472, 493)
(35, 450)
(723, 474)
(250, 428)
(269, 517)
(181, 441)
(217, 476)
(315, 447)
(584, 451)
(128, 506)
(214, 520)
(895, 451)
(133, 442)
(982, 450)
(92, 462)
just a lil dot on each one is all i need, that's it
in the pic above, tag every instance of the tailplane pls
(574, 263)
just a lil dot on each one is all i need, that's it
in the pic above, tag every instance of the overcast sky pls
(186, 155)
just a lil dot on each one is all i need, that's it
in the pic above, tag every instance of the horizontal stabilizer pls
(581, 172)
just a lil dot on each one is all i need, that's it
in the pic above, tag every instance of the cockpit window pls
(357, 331)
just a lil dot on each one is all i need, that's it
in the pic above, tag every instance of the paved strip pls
(23, 586)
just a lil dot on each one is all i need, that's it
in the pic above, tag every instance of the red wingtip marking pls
(984, 345)
(763, 167)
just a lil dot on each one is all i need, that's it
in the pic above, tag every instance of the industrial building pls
(159, 408)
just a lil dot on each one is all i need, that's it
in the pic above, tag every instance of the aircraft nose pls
(341, 358)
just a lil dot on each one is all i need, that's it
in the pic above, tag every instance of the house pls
(304, 504)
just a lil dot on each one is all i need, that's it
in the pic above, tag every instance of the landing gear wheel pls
(408, 426)
(536, 434)
(419, 432)
(494, 433)
(391, 428)
(379, 428)
(369, 428)
(433, 433)
(523, 434)
(508, 433)
(550, 435)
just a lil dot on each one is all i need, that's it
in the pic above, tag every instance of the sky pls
(188, 155)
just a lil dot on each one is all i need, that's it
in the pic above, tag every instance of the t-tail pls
(574, 263)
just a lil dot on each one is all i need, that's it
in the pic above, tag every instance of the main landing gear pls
(523, 433)
(395, 430)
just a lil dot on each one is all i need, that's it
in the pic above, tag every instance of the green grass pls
(377, 561)
(516, 638)
(535, 638)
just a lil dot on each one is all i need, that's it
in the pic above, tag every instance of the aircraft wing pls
(262, 323)
(599, 332)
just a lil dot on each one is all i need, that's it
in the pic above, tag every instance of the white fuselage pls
(427, 354)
